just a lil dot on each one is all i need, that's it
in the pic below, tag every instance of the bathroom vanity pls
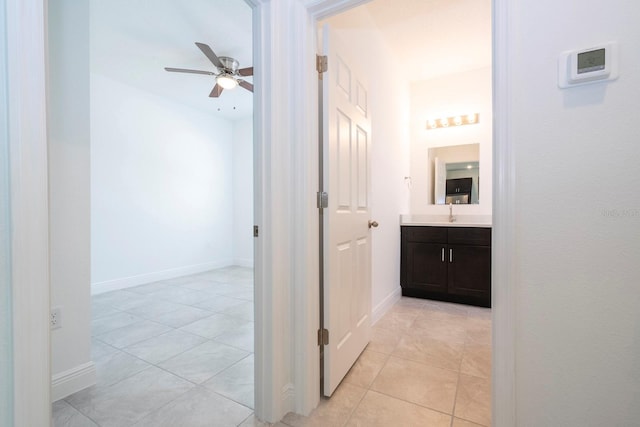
(448, 261)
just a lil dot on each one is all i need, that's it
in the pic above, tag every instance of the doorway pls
(353, 26)
(171, 186)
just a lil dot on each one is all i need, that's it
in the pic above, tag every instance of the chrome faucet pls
(451, 217)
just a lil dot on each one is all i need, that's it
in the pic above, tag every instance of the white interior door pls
(347, 240)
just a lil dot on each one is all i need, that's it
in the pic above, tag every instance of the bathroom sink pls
(443, 220)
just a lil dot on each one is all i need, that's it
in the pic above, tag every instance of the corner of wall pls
(68, 146)
(383, 306)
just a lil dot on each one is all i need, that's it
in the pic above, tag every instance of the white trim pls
(75, 379)
(503, 248)
(384, 305)
(6, 324)
(26, 28)
(306, 274)
(270, 348)
(141, 279)
(288, 395)
(321, 9)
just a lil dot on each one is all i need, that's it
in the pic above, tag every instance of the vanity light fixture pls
(453, 121)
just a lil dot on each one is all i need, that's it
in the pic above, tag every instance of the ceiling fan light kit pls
(228, 75)
(226, 81)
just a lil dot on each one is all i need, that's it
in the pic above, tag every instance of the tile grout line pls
(389, 356)
(455, 398)
(355, 408)
(459, 371)
(412, 403)
(80, 412)
(148, 364)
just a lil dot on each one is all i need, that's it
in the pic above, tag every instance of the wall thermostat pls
(586, 66)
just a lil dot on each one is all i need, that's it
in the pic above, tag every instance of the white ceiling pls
(430, 38)
(133, 40)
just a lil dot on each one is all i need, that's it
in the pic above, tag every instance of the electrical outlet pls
(56, 318)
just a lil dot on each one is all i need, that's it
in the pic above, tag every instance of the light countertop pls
(443, 220)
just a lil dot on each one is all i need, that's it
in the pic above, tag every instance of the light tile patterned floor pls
(180, 353)
(428, 365)
(177, 352)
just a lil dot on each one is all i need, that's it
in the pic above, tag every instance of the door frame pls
(28, 207)
(503, 272)
(26, 83)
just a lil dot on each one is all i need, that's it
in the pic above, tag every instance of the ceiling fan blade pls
(217, 90)
(246, 71)
(209, 54)
(248, 86)
(184, 70)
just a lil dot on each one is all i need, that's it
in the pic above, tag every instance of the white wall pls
(389, 152)
(243, 192)
(389, 166)
(162, 187)
(68, 145)
(577, 213)
(451, 95)
(6, 348)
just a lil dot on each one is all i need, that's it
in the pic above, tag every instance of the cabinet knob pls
(373, 224)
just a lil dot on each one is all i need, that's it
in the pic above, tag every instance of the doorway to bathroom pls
(428, 84)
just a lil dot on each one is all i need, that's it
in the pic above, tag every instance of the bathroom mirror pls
(454, 172)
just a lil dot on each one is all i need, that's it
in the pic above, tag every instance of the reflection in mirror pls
(455, 174)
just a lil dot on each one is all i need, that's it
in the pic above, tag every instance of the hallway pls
(180, 352)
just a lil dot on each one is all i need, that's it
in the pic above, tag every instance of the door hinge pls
(323, 199)
(321, 63)
(256, 231)
(323, 337)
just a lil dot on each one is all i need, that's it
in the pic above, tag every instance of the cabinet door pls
(426, 266)
(469, 269)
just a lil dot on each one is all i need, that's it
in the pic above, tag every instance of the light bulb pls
(457, 120)
(444, 122)
(226, 81)
(471, 118)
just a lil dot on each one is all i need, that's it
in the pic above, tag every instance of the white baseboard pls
(72, 380)
(142, 279)
(243, 262)
(288, 397)
(384, 306)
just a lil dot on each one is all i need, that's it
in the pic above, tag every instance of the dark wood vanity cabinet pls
(447, 263)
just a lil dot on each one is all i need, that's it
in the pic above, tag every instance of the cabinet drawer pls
(470, 236)
(425, 234)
